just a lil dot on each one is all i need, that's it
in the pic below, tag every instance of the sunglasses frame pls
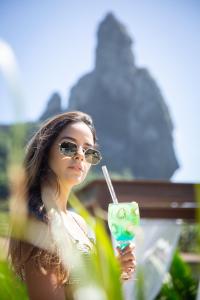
(84, 151)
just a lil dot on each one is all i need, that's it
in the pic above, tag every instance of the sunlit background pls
(54, 43)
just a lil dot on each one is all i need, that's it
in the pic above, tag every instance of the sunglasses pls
(70, 149)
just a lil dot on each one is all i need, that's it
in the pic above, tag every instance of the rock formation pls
(53, 107)
(132, 120)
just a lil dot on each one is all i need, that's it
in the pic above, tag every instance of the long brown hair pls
(36, 159)
(36, 171)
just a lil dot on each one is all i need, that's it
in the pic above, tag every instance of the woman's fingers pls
(127, 256)
(127, 253)
(127, 274)
(127, 260)
(128, 265)
(129, 248)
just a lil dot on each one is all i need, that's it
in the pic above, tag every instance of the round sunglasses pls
(70, 149)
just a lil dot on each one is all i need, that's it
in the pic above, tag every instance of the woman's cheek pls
(86, 171)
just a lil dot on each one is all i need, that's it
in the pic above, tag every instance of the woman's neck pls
(54, 197)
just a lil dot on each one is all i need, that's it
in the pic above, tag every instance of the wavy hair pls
(36, 172)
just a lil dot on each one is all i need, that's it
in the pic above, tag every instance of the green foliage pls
(190, 234)
(11, 288)
(140, 283)
(12, 141)
(180, 284)
(4, 146)
(189, 239)
(4, 206)
(18, 133)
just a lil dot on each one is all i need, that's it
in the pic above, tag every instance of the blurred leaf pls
(11, 288)
(106, 266)
(140, 295)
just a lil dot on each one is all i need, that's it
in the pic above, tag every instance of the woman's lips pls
(76, 168)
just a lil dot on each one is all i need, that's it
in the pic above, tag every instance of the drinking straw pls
(109, 183)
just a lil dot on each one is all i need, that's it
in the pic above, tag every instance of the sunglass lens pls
(92, 156)
(68, 149)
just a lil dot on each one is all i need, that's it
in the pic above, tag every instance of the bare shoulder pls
(80, 220)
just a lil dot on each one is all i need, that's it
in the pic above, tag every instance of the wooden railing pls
(156, 199)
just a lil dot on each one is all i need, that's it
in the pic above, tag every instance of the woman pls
(58, 158)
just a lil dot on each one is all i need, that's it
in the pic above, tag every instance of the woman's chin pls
(75, 179)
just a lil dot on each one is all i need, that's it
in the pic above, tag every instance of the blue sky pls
(54, 43)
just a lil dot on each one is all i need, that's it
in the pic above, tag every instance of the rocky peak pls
(114, 46)
(53, 107)
(131, 117)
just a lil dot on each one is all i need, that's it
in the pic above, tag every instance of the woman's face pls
(71, 170)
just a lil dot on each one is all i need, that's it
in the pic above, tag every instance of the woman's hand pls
(127, 261)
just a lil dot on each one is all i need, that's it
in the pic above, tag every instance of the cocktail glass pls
(123, 220)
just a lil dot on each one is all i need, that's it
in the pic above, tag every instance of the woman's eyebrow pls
(74, 140)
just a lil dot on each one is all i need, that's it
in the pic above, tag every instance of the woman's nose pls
(80, 153)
